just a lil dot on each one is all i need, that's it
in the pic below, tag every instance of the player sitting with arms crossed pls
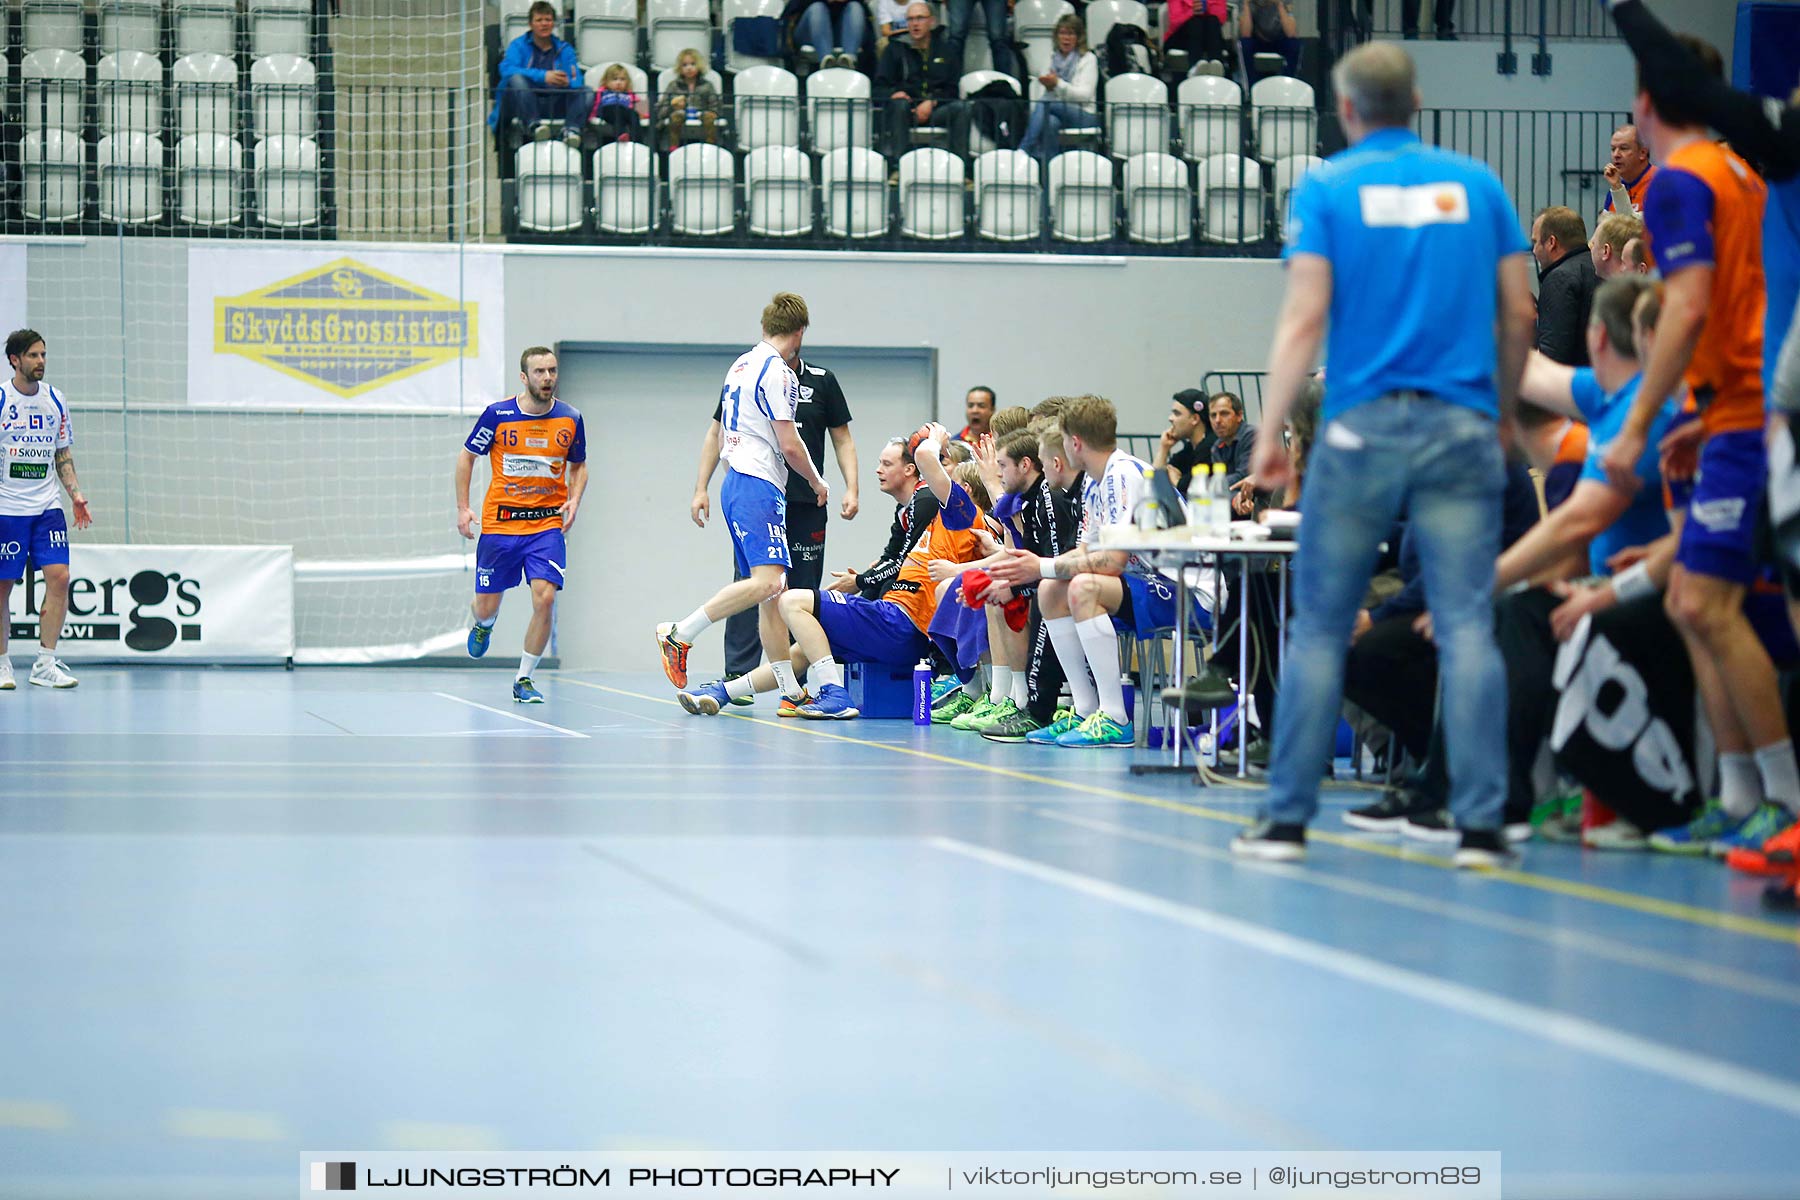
(761, 444)
(831, 628)
(536, 449)
(1086, 588)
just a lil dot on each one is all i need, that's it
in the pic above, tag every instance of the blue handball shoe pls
(479, 637)
(705, 700)
(525, 692)
(831, 704)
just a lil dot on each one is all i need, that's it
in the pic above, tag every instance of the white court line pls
(1577, 1033)
(501, 712)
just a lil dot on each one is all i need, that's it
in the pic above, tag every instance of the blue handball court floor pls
(251, 912)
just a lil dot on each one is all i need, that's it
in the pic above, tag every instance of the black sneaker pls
(1012, 729)
(1389, 813)
(1271, 842)
(740, 701)
(1484, 849)
(1433, 825)
(1201, 694)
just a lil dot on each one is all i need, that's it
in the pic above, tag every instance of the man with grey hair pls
(1424, 367)
(1628, 172)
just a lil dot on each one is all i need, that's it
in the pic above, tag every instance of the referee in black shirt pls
(822, 407)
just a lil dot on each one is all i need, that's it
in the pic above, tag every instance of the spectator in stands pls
(540, 82)
(890, 23)
(978, 410)
(1233, 441)
(995, 13)
(1267, 27)
(690, 103)
(842, 26)
(1197, 27)
(1629, 173)
(917, 79)
(617, 109)
(1566, 284)
(1069, 86)
(1188, 441)
(1612, 236)
(1442, 11)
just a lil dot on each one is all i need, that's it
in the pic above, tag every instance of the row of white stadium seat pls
(195, 26)
(129, 94)
(207, 179)
(767, 104)
(606, 31)
(1158, 193)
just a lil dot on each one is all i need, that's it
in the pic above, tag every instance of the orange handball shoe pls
(1777, 857)
(674, 654)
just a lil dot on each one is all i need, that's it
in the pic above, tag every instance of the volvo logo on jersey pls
(195, 602)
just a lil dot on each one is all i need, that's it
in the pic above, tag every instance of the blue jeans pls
(521, 102)
(1048, 119)
(816, 23)
(995, 13)
(1287, 47)
(1440, 465)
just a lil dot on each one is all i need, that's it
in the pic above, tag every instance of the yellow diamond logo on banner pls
(345, 327)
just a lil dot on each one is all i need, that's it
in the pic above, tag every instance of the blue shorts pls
(870, 631)
(44, 538)
(756, 513)
(503, 559)
(1719, 537)
(1147, 606)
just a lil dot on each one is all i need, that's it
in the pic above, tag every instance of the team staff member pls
(536, 447)
(35, 434)
(1388, 246)
(822, 409)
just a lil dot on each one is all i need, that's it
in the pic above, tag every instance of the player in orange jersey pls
(536, 449)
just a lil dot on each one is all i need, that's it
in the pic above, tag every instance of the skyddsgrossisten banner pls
(281, 327)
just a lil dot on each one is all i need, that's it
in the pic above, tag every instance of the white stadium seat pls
(1231, 199)
(853, 186)
(624, 188)
(605, 31)
(1158, 202)
(205, 27)
(515, 19)
(837, 109)
(1034, 24)
(1008, 202)
(702, 199)
(54, 81)
(1081, 197)
(129, 167)
(1137, 115)
(778, 192)
(548, 179)
(280, 27)
(209, 171)
(206, 94)
(284, 93)
(287, 181)
(677, 25)
(1287, 120)
(51, 25)
(1211, 117)
(1287, 173)
(931, 194)
(50, 184)
(735, 62)
(131, 25)
(128, 93)
(768, 108)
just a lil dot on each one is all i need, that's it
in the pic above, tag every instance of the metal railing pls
(1542, 158)
(1524, 19)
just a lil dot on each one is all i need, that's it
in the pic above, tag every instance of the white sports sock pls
(692, 626)
(46, 655)
(1021, 689)
(826, 671)
(1001, 687)
(1067, 644)
(1740, 784)
(784, 679)
(1100, 641)
(487, 624)
(739, 687)
(527, 664)
(1780, 777)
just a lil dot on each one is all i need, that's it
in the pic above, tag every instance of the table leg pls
(1243, 717)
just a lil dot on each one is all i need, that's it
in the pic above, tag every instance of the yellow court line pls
(1593, 893)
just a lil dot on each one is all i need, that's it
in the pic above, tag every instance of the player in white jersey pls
(761, 444)
(1086, 589)
(36, 438)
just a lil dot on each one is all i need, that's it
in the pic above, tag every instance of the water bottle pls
(922, 692)
(1221, 503)
(1200, 502)
(1149, 513)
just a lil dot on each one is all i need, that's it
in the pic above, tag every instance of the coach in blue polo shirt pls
(1412, 257)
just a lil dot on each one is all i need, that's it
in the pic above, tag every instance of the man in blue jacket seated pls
(540, 82)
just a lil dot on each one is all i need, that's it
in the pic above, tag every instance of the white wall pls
(1585, 76)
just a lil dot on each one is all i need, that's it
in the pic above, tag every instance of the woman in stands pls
(1198, 27)
(1068, 99)
(835, 31)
